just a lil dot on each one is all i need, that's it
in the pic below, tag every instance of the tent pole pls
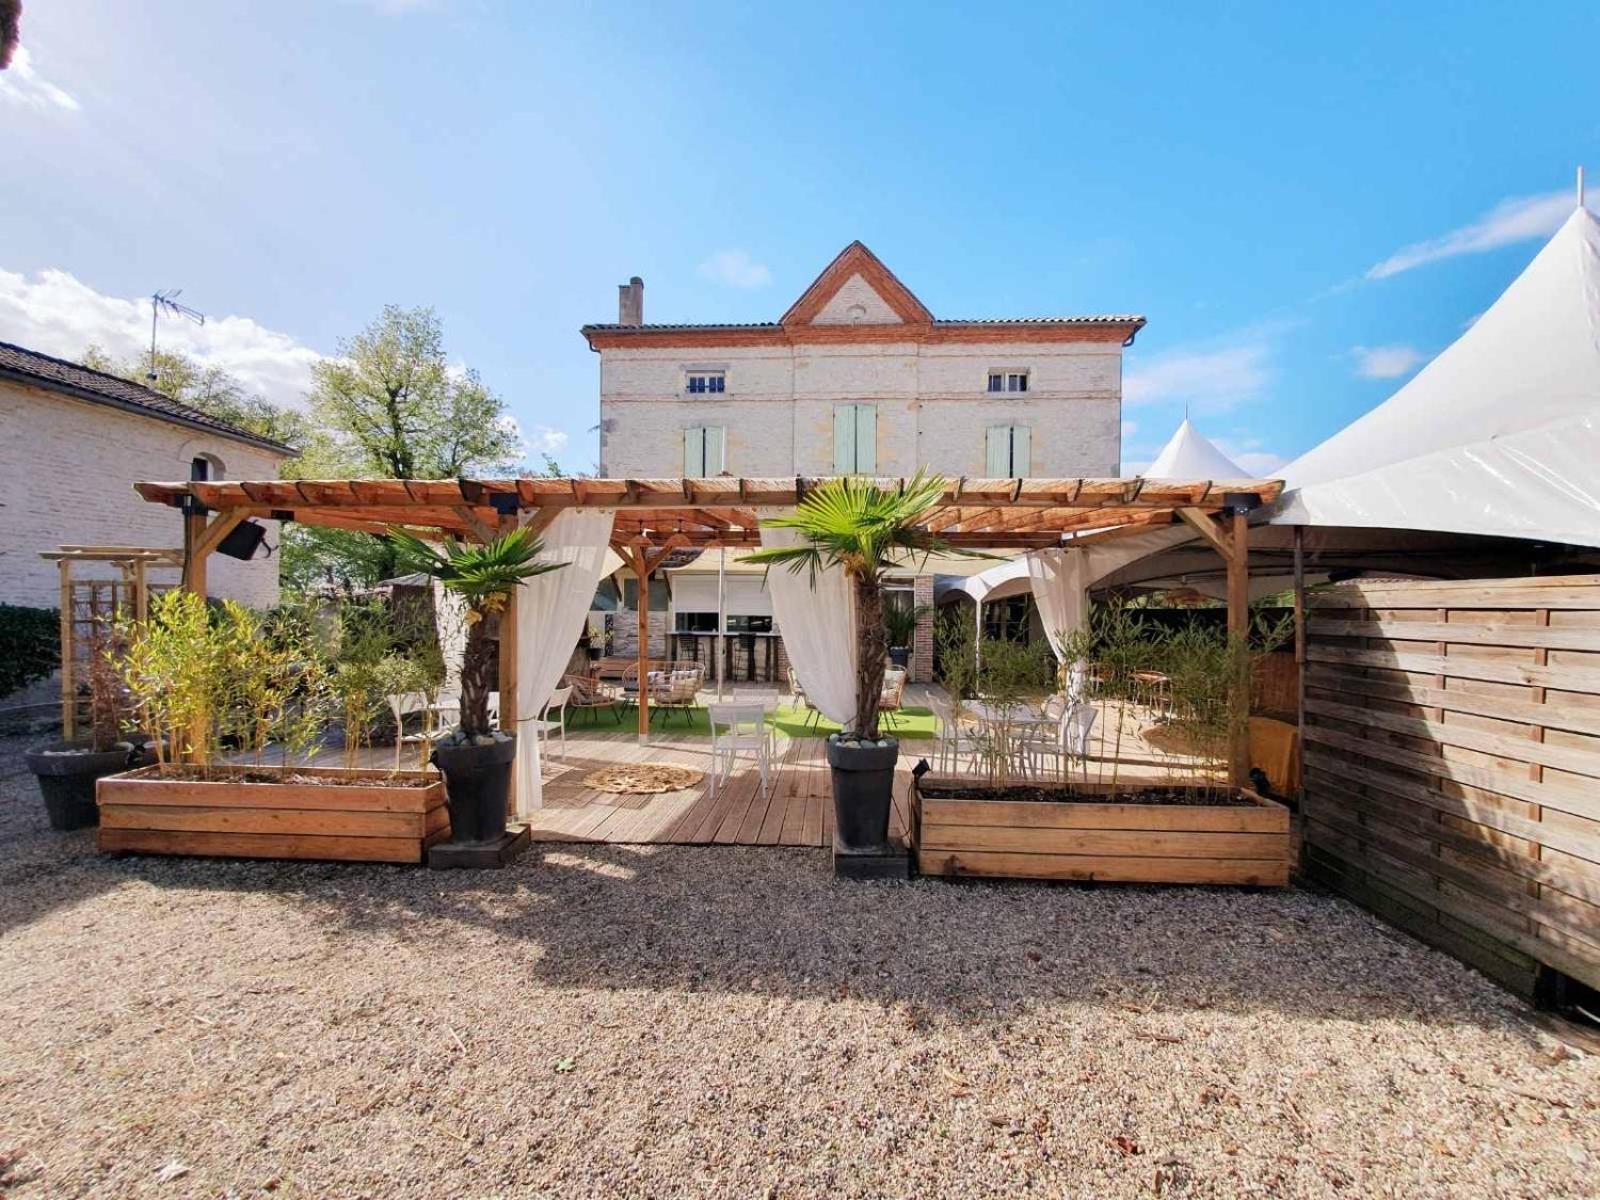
(1300, 654)
(722, 615)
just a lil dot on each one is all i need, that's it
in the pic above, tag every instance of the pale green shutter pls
(999, 461)
(715, 443)
(1021, 450)
(694, 452)
(866, 439)
(844, 439)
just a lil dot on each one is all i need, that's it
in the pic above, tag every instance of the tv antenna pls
(167, 302)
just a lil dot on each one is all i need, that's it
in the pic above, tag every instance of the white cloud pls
(56, 313)
(1516, 220)
(1209, 380)
(1387, 362)
(22, 84)
(736, 269)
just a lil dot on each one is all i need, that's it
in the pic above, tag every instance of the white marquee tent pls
(1499, 435)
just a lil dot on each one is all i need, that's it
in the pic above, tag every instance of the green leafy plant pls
(484, 577)
(865, 530)
(900, 622)
(30, 645)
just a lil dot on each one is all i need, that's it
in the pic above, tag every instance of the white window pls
(700, 383)
(703, 451)
(855, 439)
(1008, 381)
(1010, 451)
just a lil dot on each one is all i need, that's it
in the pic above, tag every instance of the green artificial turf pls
(911, 724)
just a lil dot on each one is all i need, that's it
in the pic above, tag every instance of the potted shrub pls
(900, 623)
(866, 531)
(475, 758)
(68, 771)
(237, 704)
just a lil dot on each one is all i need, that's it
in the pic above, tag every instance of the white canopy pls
(1499, 434)
(1189, 454)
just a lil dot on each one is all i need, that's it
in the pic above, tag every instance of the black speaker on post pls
(243, 540)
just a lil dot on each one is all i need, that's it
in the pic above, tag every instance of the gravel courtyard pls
(685, 1022)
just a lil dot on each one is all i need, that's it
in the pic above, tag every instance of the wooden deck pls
(797, 809)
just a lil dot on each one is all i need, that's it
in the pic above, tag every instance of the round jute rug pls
(643, 779)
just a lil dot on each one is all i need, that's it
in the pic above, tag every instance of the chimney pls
(630, 302)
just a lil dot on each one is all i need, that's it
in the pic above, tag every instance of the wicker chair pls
(591, 695)
(893, 694)
(676, 689)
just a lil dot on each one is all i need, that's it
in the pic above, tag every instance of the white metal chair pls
(403, 705)
(1064, 737)
(739, 731)
(954, 741)
(544, 726)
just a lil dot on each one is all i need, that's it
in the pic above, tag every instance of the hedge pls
(30, 645)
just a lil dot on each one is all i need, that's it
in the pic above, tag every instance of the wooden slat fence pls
(1452, 751)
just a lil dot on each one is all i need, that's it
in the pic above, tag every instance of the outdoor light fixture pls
(243, 541)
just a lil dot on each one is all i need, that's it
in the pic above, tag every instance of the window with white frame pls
(1008, 381)
(701, 383)
(855, 439)
(1009, 452)
(703, 451)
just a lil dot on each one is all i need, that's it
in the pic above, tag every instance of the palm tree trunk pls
(872, 649)
(477, 679)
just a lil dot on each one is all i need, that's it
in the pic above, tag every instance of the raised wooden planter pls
(142, 812)
(1082, 840)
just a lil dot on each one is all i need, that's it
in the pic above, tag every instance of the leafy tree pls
(390, 405)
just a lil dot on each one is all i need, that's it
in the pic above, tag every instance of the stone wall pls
(67, 470)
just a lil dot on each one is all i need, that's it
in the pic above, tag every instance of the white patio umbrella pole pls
(722, 616)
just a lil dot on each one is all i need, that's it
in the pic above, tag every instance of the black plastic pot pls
(863, 789)
(477, 787)
(900, 655)
(67, 773)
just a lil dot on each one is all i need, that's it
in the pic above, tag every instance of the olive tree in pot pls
(67, 771)
(475, 758)
(866, 531)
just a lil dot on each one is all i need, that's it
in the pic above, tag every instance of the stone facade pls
(922, 641)
(67, 470)
(858, 337)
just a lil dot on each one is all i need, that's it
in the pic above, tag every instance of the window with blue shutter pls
(855, 439)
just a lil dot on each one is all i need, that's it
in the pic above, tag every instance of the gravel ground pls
(681, 1022)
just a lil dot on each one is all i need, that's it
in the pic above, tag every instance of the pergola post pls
(641, 571)
(69, 686)
(1300, 653)
(1238, 641)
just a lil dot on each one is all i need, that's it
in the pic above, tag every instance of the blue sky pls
(1306, 203)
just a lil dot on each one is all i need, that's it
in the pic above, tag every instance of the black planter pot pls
(477, 786)
(863, 789)
(67, 773)
(900, 655)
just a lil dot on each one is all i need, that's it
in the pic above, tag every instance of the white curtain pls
(818, 624)
(450, 626)
(551, 610)
(1060, 580)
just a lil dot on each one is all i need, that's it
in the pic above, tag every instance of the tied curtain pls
(551, 611)
(818, 624)
(1060, 580)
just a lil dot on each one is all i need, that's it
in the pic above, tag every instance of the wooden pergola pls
(654, 517)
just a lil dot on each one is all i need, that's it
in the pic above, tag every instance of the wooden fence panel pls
(1452, 743)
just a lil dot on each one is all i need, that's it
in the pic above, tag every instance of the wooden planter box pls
(1113, 843)
(143, 813)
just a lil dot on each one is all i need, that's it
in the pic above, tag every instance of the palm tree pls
(484, 576)
(866, 530)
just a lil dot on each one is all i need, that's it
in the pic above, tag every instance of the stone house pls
(74, 441)
(857, 377)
